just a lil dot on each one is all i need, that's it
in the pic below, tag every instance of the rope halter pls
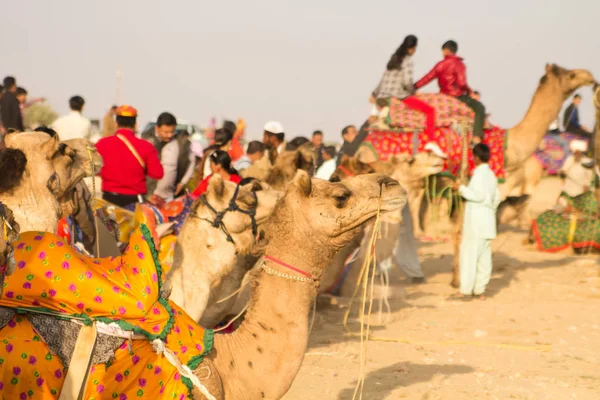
(217, 221)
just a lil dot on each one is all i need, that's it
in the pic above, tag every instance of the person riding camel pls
(452, 78)
(397, 81)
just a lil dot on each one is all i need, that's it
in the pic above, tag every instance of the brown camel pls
(212, 251)
(262, 357)
(286, 165)
(49, 172)
(410, 172)
(554, 88)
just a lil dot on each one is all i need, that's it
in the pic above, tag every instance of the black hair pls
(398, 57)
(451, 46)
(223, 136)
(577, 96)
(279, 136)
(126, 122)
(51, 132)
(477, 92)
(76, 103)
(222, 158)
(114, 107)
(296, 142)
(347, 129)
(166, 119)
(330, 150)
(482, 151)
(255, 147)
(20, 91)
(230, 126)
(9, 82)
(315, 133)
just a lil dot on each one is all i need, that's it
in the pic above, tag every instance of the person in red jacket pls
(220, 163)
(451, 74)
(126, 161)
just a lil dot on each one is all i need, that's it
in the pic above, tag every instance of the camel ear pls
(216, 185)
(50, 147)
(302, 183)
(548, 67)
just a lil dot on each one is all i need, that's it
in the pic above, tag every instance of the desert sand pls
(537, 336)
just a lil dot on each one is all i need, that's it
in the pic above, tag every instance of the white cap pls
(435, 149)
(554, 125)
(578, 145)
(273, 127)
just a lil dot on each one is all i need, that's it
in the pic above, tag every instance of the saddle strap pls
(76, 378)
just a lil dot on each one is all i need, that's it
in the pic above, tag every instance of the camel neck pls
(273, 338)
(526, 136)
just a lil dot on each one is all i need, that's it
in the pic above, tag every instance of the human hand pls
(178, 189)
(372, 119)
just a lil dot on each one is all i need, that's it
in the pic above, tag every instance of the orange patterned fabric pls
(53, 278)
(387, 143)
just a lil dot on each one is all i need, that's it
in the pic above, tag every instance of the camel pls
(48, 171)
(554, 88)
(262, 357)
(213, 252)
(285, 167)
(410, 172)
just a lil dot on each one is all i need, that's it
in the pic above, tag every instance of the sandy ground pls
(537, 336)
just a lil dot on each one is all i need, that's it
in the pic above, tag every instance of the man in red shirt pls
(451, 74)
(127, 161)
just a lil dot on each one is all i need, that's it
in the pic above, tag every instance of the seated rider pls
(571, 119)
(576, 173)
(452, 78)
(397, 81)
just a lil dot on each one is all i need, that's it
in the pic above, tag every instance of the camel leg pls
(458, 223)
(415, 209)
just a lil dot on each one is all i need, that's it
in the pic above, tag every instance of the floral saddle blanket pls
(120, 294)
(384, 144)
(447, 110)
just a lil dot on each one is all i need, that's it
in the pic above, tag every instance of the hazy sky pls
(309, 64)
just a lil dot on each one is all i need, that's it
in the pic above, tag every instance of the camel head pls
(9, 229)
(289, 162)
(332, 213)
(412, 169)
(567, 80)
(51, 164)
(235, 212)
(349, 168)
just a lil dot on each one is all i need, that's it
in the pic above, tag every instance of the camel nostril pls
(387, 181)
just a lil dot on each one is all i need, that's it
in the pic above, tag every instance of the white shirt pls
(578, 177)
(281, 147)
(326, 169)
(483, 197)
(72, 126)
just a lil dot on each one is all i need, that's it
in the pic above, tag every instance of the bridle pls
(345, 170)
(217, 222)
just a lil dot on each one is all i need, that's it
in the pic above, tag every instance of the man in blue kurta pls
(479, 227)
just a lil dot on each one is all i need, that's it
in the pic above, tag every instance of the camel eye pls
(341, 200)
(572, 76)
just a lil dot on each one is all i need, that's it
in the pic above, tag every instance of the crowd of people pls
(164, 163)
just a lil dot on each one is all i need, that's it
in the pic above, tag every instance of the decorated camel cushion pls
(447, 110)
(384, 144)
(53, 278)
